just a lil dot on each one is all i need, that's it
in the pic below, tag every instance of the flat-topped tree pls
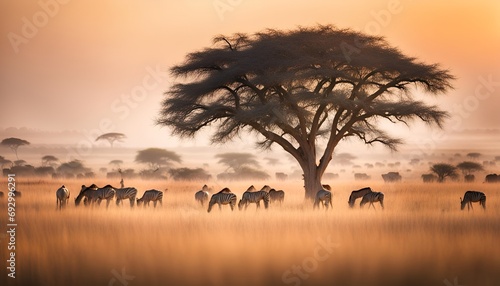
(49, 160)
(14, 144)
(443, 170)
(157, 158)
(116, 163)
(112, 137)
(4, 162)
(304, 90)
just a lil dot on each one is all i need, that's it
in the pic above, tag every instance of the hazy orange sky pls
(71, 65)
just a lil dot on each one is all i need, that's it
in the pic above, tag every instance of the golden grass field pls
(421, 238)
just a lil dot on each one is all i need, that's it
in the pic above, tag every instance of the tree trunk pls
(312, 180)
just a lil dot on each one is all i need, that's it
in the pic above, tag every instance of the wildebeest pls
(492, 178)
(391, 177)
(429, 178)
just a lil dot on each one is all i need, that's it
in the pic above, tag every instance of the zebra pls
(85, 194)
(126, 193)
(94, 194)
(372, 197)
(151, 195)
(224, 197)
(278, 196)
(251, 196)
(323, 196)
(62, 197)
(358, 194)
(472, 197)
(202, 195)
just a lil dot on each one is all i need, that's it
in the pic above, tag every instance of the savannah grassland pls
(421, 238)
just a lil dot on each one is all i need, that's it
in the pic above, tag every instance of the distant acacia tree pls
(469, 168)
(74, 168)
(14, 144)
(156, 158)
(20, 163)
(188, 174)
(4, 162)
(49, 160)
(474, 155)
(236, 161)
(301, 89)
(242, 165)
(116, 163)
(111, 137)
(443, 171)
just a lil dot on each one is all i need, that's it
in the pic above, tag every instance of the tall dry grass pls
(421, 238)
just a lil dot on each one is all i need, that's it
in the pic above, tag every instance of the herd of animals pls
(94, 195)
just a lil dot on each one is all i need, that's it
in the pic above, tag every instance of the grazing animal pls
(324, 197)
(105, 193)
(62, 197)
(124, 194)
(473, 197)
(151, 195)
(371, 198)
(265, 188)
(94, 194)
(429, 178)
(87, 194)
(358, 194)
(224, 197)
(251, 196)
(492, 178)
(391, 177)
(276, 196)
(202, 195)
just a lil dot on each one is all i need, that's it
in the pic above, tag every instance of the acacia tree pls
(116, 163)
(14, 144)
(236, 161)
(469, 168)
(304, 90)
(4, 162)
(49, 160)
(111, 137)
(243, 165)
(443, 171)
(156, 158)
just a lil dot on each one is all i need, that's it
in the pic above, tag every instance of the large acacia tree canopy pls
(295, 86)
